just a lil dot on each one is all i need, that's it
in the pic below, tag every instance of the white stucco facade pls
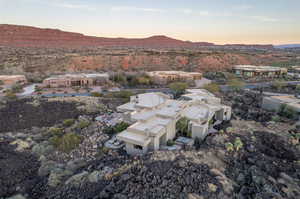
(154, 116)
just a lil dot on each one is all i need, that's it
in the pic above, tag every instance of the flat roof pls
(200, 92)
(134, 138)
(286, 98)
(11, 76)
(150, 100)
(80, 75)
(154, 125)
(196, 112)
(127, 107)
(172, 72)
(258, 68)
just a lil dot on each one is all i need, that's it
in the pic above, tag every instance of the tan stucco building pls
(249, 71)
(13, 79)
(154, 116)
(70, 80)
(165, 77)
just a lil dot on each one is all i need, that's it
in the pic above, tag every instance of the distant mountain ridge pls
(27, 36)
(288, 46)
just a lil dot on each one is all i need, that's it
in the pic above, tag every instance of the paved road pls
(28, 90)
(225, 88)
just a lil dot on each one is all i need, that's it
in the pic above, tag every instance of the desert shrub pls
(67, 142)
(116, 129)
(83, 124)
(197, 143)
(182, 127)
(178, 88)
(279, 85)
(238, 144)
(109, 130)
(170, 143)
(212, 87)
(37, 89)
(276, 118)
(297, 88)
(56, 131)
(96, 94)
(16, 88)
(10, 95)
(121, 127)
(229, 146)
(68, 122)
(287, 112)
(236, 84)
(123, 94)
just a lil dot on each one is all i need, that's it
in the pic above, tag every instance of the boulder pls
(20, 145)
(46, 168)
(43, 149)
(57, 175)
(74, 165)
(19, 196)
(78, 179)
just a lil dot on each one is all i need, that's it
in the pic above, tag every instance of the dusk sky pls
(218, 21)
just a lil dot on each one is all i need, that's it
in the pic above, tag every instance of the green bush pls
(287, 112)
(178, 88)
(10, 95)
(96, 94)
(229, 146)
(1, 82)
(236, 84)
(116, 129)
(83, 124)
(278, 85)
(16, 88)
(67, 142)
(170, 143)
(197, 143)
(238, 144)
(276, 118)
(68, 122)
(212, 87)
(56, 131)
(121, 127)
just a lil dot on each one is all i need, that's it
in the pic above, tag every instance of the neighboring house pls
(70, 80)
(154, 116)
(165, 77)
(249, 71)
(13, 79)
(273, 103)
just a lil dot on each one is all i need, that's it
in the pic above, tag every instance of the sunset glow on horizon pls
(216, 21)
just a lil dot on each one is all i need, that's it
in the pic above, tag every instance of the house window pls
(138, 147)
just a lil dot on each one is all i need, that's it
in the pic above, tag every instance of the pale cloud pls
(242, 7)
(204, 13)
(186, 11)
(75, 6)
(264, 18)
(131, 8)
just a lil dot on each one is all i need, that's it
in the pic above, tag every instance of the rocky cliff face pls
(26, 36)
(48, 60)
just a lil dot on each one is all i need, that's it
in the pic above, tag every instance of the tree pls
(178, 88)
(10, 95)
(236, 84)
(212, 87)
(143, 80)
(279, 85)
(182, 127)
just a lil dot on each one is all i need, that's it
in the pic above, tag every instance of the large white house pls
(154, 116)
